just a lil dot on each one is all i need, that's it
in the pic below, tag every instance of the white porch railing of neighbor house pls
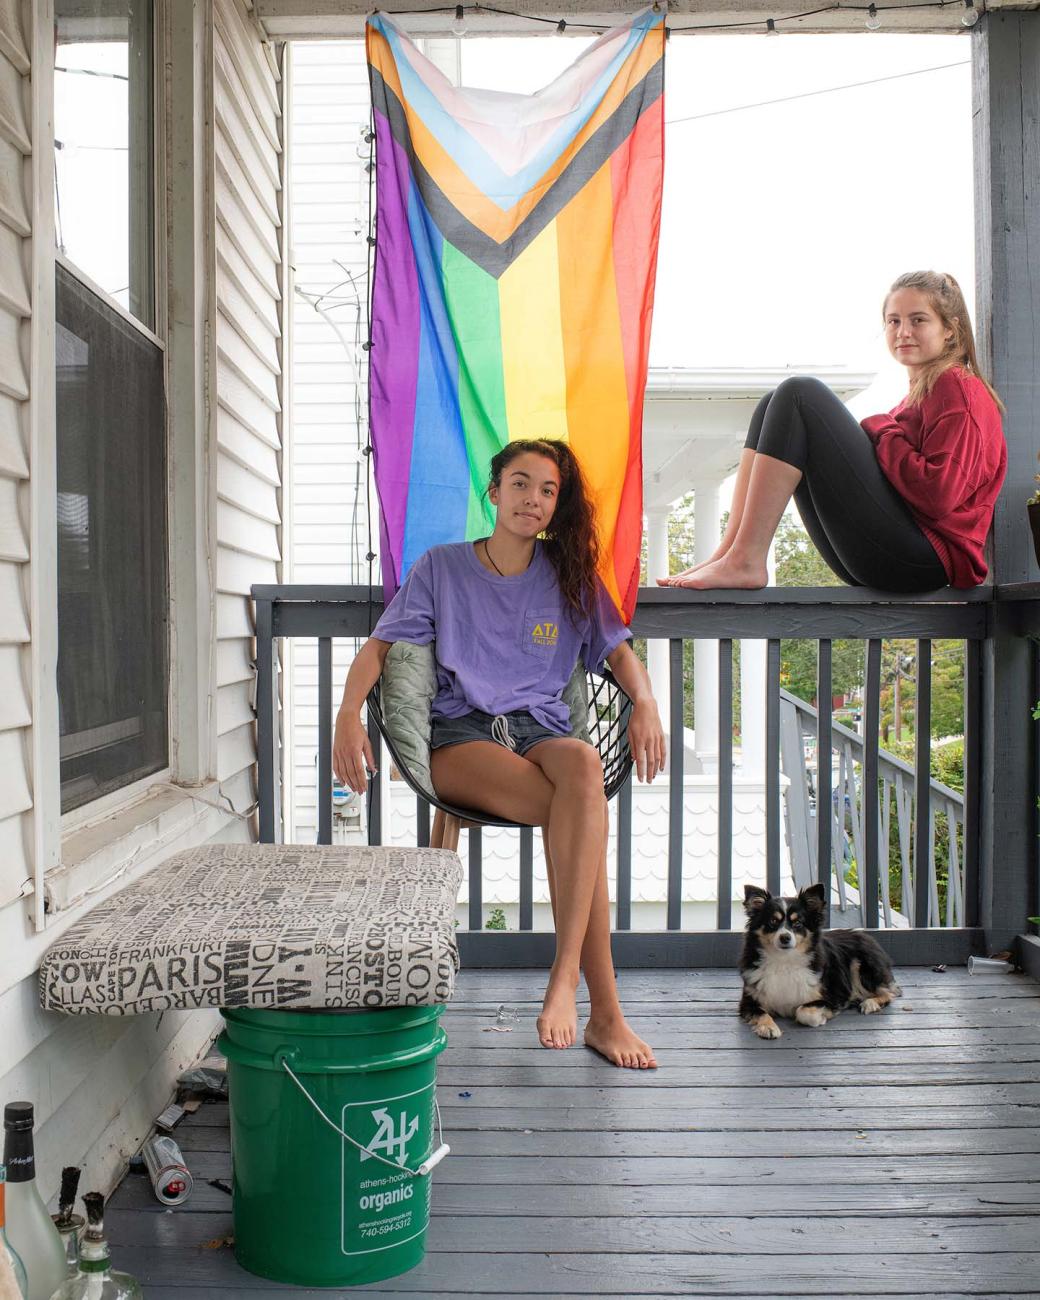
(899, 826)
(858, 833)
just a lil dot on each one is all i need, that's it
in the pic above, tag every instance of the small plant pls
(496, 920)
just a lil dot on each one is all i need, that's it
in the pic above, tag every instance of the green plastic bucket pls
(309, 1206)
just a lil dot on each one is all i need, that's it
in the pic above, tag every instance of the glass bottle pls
(68, 1223)
(14, 1260)
(96, 1279)
(30, 1229)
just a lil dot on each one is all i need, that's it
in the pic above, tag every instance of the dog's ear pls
(814, 897)
(755, 899)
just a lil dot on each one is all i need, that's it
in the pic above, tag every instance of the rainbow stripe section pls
(513, 289)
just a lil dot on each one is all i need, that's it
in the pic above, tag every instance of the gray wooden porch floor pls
(894, 1155)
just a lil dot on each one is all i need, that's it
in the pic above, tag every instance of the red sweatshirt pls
(947, 459)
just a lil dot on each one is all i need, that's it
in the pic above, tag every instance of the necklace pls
(493, 564)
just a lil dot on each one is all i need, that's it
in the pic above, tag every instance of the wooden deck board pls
(895, 1155)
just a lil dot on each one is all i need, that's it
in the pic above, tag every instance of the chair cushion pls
(265, 925)
(407, 690)
(406, 693)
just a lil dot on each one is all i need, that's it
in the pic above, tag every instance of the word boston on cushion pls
(330, 966)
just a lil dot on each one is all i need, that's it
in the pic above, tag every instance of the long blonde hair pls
(947, 301)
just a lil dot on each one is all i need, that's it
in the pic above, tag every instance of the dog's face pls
(784, 924)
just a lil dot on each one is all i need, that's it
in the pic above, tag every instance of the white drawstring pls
(500, 731)
(431, 1161)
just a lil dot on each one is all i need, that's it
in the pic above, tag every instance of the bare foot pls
(616, 1041)
(675, 580)
(726, 573)
(558, 1023)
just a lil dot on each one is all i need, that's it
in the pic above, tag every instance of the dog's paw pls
(814, 1017)
(766, 1027)
(869, 1005)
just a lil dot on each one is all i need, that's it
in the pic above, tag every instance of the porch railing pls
(909, 794)
(899, 821)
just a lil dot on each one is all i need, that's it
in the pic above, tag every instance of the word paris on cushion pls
(265, 925)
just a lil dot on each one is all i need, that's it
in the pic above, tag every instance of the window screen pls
(112, 570)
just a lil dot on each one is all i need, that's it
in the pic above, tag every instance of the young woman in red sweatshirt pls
(902, 502)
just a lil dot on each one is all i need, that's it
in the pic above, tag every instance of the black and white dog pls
(791, 967)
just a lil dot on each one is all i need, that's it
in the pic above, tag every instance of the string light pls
(364, 144)
(970, 16)
(561, 27)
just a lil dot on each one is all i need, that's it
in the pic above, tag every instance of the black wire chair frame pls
(609, 712)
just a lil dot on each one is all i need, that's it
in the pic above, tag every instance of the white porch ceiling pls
(695, 422)
(325, 19)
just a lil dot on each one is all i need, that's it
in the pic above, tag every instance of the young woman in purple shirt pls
(509, 616)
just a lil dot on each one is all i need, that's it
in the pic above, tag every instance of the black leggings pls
(857, 520)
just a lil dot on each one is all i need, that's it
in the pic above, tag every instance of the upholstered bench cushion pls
(265, 925)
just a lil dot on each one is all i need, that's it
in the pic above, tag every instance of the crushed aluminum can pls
(170, 1176)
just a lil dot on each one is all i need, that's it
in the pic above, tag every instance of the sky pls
(90, 126)
(783, 224)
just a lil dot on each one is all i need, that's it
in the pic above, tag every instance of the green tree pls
(799, 564)
(899, 659)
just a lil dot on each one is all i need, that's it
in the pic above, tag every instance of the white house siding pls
(15, 260)
(330, 109)
(92, 1082)
(247, 413)
(98, 1082)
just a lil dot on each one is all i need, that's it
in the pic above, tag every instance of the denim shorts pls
(516, 731)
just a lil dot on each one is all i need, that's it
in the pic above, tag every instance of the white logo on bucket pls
(394, 1144)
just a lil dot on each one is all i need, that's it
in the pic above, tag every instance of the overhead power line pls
(810, 94)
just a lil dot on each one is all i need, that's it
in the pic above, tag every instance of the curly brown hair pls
(571, 541)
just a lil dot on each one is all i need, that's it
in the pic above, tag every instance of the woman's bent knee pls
(801, 386)
(572, 764)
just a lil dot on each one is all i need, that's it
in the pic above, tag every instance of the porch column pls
(753, 700)
(445, 52)
(190, 353)
(1006, 83)
(657, 567)
(706, 653)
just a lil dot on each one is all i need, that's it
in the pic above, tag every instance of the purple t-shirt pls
(501, 644)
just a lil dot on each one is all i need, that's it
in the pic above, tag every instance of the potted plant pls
(1033, 507)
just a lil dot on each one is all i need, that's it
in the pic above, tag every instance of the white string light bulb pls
(458, 27)
(971, 15)
(873, 19)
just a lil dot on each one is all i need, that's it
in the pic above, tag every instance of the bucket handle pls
(427, 1166)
